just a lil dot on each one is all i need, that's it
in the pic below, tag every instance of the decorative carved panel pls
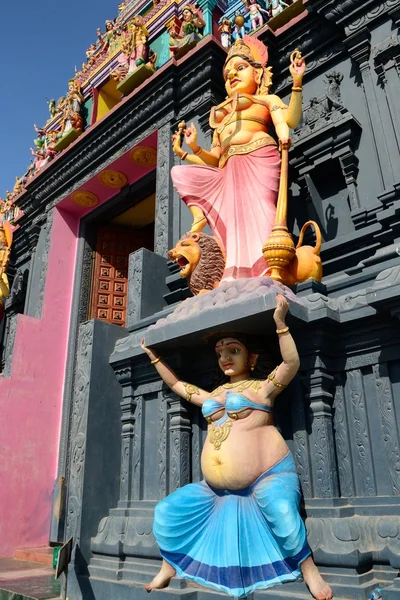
(110, 271)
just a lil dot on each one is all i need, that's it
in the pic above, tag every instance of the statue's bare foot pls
(162, 579)
(198, 225)
(317, 586)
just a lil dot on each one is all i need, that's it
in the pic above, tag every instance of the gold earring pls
(252, 367)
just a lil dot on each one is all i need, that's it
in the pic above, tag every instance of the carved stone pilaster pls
(388, 425)
(131, 435)
(164, 192)
(300, 444)
(386, 57)
(179, 448)
(343, 452)
(359, 47)
(45, 260)
(359, 434)
(349, 164)
(319, 385)
(78, 432)
(10, 319)
(162, 448)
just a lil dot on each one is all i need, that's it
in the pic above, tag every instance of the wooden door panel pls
(110, 272)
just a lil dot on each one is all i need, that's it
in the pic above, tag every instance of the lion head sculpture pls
(201, 260)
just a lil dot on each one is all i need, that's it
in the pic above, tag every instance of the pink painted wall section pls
(31, 401)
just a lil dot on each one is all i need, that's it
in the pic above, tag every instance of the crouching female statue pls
(239, 529)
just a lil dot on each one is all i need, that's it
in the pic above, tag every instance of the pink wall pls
(31, 400)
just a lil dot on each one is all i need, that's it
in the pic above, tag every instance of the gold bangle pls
(198, 151)
(297, 89)
(155, 361)
(183, 156)
(280, 331)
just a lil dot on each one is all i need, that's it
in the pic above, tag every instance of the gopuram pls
(199, 302)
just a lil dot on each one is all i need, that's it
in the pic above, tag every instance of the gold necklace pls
(239, 386)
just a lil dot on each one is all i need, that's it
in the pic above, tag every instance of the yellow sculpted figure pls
(5, 249)
(234, 185)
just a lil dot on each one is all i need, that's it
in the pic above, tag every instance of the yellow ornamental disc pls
(85, 199)
(113, 179)
(145, 156)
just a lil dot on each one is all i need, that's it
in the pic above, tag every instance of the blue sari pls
(235, 541)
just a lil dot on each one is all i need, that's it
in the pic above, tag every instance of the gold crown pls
(250, 48)
(190, 7)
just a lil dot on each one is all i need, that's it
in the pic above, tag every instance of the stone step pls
(43, 555)
(24, 580)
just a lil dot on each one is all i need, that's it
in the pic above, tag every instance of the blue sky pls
(40, 44)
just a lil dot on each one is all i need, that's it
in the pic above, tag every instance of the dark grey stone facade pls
(341, 417)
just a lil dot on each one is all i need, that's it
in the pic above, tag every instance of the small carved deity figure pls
(72, 105)
(52, 107)
(109, 39)
(136, 46)
(332, 90)
(18, 187)
(234, 186)
(189, 33)
(238, 530)
(238, 31)
(225, 30)
(39, 161)
(277, 6)
(255, 11)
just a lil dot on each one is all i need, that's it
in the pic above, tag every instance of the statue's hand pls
(284, 144)
(148, 351)
(191, 137)
(297, 67)
(282, 307)
(176, 144)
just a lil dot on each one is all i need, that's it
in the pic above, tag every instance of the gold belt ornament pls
(245, 149)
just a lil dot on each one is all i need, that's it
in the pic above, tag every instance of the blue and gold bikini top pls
(235, 403)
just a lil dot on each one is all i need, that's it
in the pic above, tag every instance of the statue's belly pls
(243, 457)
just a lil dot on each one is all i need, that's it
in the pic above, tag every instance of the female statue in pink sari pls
(234, 186)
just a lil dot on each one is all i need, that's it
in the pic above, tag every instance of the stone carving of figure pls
(189, 33)
(234, 185)
(225, 30)
(238, 31)
(238, 530)
(71, 108)
(332, 89)
(255, 11)
(135, 47)
(52, 108)
(277, 6)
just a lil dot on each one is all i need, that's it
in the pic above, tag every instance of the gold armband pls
(198, 151)
(190, 390)
(155, 361)
(296, 88)
(271, 378)
(184, 155)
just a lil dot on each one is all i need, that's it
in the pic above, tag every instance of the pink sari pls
(239, 203)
